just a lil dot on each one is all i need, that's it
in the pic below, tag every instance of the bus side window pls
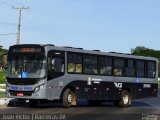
(71, 67)
(116, 72)
(78, 68)
(90, 63)
(105, 65)
(130, 68)
(118, 67)
(151, 69)
(140, 68)
(74, 63)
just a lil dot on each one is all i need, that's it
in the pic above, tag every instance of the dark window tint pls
(151, 69)
(140, 69)
(118, 62)
(74, 63)
(90, 64)
(105, 65)
(55, 64)
(118, 67)
(130, 68)
(74, 58)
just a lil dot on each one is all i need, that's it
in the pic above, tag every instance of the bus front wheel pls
(125, 99)
(69, 98)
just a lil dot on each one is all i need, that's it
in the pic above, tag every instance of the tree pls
(3, 57)
(143, 51)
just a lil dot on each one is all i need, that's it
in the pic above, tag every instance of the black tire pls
(69, 98)
(94, 102)
(125, 99)
(33, 103)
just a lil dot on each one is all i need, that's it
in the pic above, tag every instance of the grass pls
(2, 77)
(2, 94)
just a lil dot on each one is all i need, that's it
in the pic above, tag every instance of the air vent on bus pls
(120, 53)
(79, 48)
(73, 47)
(96, 50)
(49, 45)
(67, 47)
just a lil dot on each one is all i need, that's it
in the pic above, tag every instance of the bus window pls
(33, 65)
(55, 64)
(78, 68)
(74, 63)
(105, 66)
(71, 67)
(118, 67)
(151, 69)
(90, 64)
(130, 68)
(140, 70)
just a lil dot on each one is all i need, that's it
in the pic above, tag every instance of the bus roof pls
(96, 52)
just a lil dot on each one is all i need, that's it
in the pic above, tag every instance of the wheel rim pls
(125, 99)
(69, 98)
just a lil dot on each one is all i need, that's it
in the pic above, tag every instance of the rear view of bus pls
(26, 72)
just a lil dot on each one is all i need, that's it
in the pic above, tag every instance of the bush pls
(2, 95)
(2, 77)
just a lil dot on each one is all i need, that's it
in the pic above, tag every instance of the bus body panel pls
(90, 87)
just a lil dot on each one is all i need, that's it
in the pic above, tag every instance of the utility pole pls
(19, 22)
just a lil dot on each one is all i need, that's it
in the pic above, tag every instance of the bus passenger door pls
(56, 66)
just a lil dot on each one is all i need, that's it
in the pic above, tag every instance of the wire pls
(40, 23)
(44, 36)
(37, 22)
(7, 23)
(5, 36)
(53, 36)
(9, 34)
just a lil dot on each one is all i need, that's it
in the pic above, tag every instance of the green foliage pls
(2, 94)
(2, 51)
(143, 51)
(2, 77)
(3, 57)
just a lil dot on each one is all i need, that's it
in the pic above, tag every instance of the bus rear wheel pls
(125, 99)
(69, 98)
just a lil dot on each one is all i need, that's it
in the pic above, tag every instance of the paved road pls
(142, 109)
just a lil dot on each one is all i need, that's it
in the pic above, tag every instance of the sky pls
(106, 25)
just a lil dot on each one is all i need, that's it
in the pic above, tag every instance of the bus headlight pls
(37, 89)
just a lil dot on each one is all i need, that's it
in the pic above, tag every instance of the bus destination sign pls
(26, 50)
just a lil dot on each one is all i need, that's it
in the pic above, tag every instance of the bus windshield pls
(26, 66)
